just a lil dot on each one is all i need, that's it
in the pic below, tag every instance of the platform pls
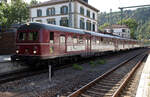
(5, 58)
(144, 84)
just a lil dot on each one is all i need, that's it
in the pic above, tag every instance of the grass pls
(77, 67)
(92, 63)
(101, 62)
(98, 62)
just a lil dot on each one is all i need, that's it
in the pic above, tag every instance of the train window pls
(86, 41)
(51, 37)
(97, 41)
(104, 41)
(69, 39)
(81, 40)
(62, 39)
(22, 36)
(110, 43)
(94, 41)
(35, 35)
(89, 41)
(30, 36)
(75, 41)
(101, 39)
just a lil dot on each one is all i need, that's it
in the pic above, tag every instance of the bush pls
(77, 67)
(101, 62)
(98, 62)
(92, 63)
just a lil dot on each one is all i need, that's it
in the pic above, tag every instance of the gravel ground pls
(63, 82)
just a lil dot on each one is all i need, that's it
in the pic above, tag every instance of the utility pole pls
(121, 15)
(111, 21)
(70, 14)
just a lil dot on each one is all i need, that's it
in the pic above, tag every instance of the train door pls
(62, 44)
(116, 44)
(88, 42)
(123, 44)
(51, 42)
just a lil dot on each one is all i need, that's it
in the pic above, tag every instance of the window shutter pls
(90, 26)
(83, 25)
(38, 13)
(66, 10)
(60, 22)
(86, 25)
(67, 23)
(47, 12)
(61, 10)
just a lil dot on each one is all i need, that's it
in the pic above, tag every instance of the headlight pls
(34, 52)
(17, 51)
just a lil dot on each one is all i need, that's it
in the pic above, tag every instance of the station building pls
(70, 13)
(118, 30)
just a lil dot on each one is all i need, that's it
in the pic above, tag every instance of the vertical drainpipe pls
(75, 14)
(70, 13)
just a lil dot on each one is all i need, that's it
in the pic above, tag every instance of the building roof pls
(116, 26)
(53, 2)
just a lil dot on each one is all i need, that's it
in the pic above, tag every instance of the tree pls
(132, 24)
(101, 28)
(19, 11)
(33, 2)
(3, 16)
(3, 19)
(15, 13)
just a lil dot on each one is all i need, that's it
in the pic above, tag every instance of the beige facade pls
(66, 13)
(118, 30)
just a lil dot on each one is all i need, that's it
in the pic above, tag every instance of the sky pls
(106, 5)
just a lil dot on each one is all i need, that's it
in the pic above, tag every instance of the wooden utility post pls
(50, 73)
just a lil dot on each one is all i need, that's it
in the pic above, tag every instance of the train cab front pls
(27, 44)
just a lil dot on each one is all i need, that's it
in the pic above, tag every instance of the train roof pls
(66, 29)
(50, 27)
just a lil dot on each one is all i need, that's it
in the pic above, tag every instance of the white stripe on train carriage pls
(32, 43)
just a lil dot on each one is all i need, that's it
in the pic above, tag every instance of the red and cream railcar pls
(37, 41)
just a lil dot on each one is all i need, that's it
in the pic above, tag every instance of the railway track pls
(112, 82)
(132, 85)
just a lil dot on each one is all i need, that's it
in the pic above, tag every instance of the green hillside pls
(141, 16)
